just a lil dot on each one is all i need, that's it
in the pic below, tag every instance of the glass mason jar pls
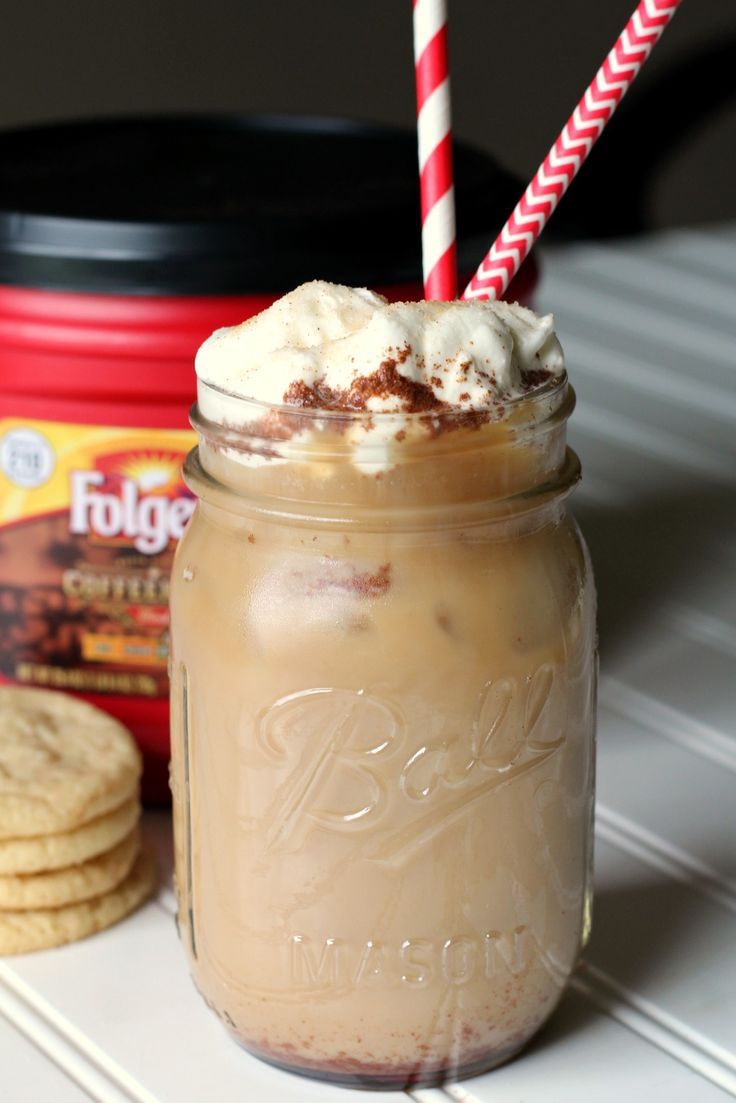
(383, 687)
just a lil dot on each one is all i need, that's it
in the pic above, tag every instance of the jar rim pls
(255, 433)
(554, 387)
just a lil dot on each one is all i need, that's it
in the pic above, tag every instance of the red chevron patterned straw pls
(558, 170)
(435, 149)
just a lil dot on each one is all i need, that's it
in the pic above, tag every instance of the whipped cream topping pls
(333, 347)
(328, 347)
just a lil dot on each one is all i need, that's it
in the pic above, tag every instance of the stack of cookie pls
(71, 861)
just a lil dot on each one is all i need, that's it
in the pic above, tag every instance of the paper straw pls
(439, 261)
(559, 169)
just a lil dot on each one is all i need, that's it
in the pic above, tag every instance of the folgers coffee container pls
(123, 244)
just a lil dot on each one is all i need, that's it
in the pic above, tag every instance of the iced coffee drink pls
(383, 682)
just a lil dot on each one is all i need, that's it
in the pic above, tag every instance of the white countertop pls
(652, 1013)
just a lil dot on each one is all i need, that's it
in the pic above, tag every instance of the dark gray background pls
(518, 68)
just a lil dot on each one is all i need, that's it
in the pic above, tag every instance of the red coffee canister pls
(123, 244)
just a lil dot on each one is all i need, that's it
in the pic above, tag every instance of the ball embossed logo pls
(345, 761)
(332, 741)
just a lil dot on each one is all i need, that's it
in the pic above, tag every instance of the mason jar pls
(383, 702)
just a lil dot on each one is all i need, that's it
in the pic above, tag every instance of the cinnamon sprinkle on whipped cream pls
(326, 347)
(330, 347)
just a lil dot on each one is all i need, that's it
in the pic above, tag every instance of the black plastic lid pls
(226, 204)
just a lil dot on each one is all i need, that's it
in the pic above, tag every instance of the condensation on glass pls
(383, 727)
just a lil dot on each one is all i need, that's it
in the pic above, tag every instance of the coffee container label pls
(89, 520)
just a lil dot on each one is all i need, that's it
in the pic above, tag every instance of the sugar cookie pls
(62, 762)
(69, 848)
(59, 887)
(39, 929)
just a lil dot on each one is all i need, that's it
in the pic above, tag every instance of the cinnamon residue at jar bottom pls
(425, 1066)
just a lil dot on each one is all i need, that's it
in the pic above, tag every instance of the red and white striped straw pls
(439, 260)
(560, 167)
